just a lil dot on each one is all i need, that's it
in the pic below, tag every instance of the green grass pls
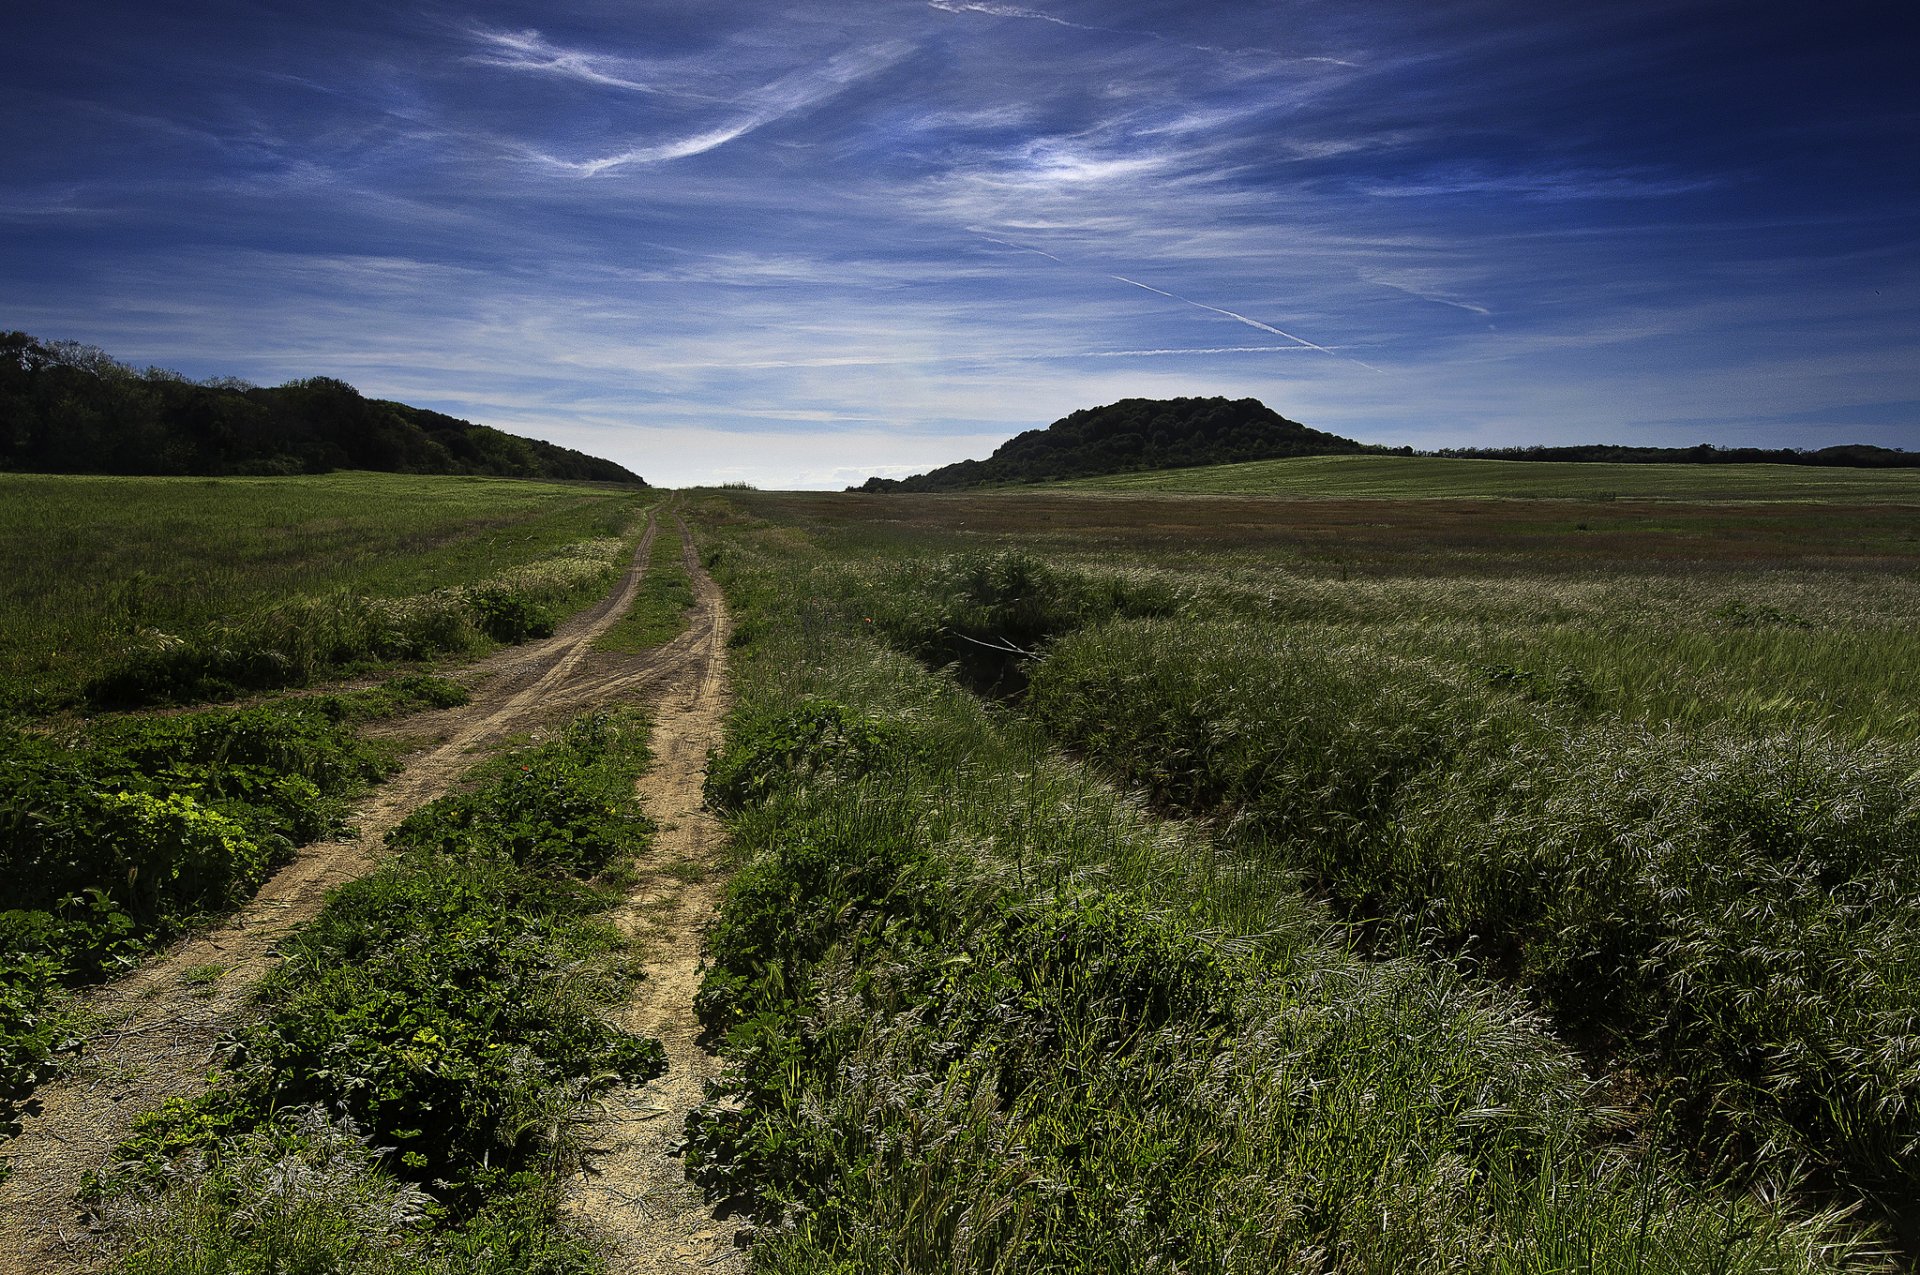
(88, 564)
(1437, 477)
(659, 610)
(984, 1012)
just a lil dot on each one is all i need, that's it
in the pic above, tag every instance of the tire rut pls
(633, 1192)
(159, 1029)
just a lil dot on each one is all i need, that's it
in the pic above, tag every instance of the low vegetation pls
(117, 836)
(1478, 477)
(145, 590)
(659, 610)
(1855, 455)
(429, 1050)
(986, 1012)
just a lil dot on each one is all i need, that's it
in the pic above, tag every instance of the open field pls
(1117, 882)
(1441, 478)
(89, 564)
(1642, 791)
(421, 997)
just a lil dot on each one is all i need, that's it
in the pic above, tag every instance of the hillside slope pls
(67, 408)
(1131, 435)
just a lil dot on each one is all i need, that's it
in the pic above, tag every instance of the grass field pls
(120, 831)
(1435, 881)
(1442, 478)
(87, 564)
(1645, 767)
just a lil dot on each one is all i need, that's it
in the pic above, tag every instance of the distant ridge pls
(1131, 435)
(67, 408)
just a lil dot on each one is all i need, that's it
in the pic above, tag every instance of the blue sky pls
(799, 243)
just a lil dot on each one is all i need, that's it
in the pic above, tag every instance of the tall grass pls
(1732, 910)
(986, 1014)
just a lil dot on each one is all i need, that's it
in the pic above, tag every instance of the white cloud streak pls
(787, 96)
(993, 10)
(531, 51)
(1241, 318)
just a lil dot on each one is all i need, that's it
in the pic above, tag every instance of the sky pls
(797, 244)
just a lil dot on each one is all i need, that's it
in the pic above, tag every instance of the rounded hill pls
(1131, 435)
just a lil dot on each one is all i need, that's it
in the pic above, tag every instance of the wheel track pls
(633, 1192)
(159, 1034)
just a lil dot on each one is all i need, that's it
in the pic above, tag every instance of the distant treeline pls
(1132, 435)
(1851, 455)
(68, 408)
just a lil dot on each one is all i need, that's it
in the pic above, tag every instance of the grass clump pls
(986, 614)
(1725, 914)
(1733, 912)
(429, 1047)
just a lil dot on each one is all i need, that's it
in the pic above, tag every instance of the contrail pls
(1017, 247)
(1215, 349)
(1300, 342)
(1241, 318)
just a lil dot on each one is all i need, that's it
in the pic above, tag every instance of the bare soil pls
(162, 1024)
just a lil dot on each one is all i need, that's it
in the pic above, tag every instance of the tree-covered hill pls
(1131, 435)
(67, 408)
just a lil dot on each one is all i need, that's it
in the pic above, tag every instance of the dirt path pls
(162, 1023)
(634, 1193)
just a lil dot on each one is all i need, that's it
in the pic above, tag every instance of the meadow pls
(1120, 881)
(1082, 835)
(93, 570)
(121, 831)
(1439, 477)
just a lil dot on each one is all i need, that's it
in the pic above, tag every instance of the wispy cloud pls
(790, 95)
(1544, 184)
(1211, 349)
(533, 52)
(994, 10)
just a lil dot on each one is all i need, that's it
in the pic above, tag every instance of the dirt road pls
(163, 1022)
(634, 1193)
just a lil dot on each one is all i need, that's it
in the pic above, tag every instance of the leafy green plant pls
(447, 1013)
(119, 836)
